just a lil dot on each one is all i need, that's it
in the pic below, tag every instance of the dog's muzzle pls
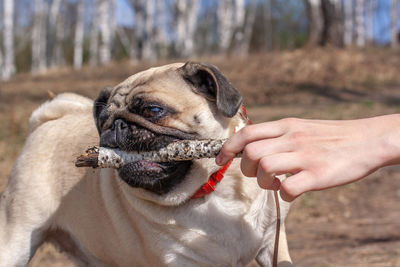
(134, 135)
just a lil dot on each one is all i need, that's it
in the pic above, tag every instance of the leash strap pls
(278, 228)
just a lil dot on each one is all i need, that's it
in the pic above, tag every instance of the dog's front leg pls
(26, 206)
(21, 227)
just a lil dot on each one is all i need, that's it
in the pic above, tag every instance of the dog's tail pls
(61, 105)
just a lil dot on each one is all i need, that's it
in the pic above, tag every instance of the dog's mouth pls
(157, 177)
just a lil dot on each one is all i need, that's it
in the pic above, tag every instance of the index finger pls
(250, 133)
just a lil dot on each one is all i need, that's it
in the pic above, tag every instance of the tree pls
(94, 35)
(360, 27)
(186, 22)
(325, 22)
(139, 12)
(239, 19)
(105, 33)
(78, 38)
(112, 20)
(148, 37)
(332, 32)
(393, 28)
(39, 33)
(231, 23)
(8, 38)
(162, 10)
(56, 33)
(226, 18)
(348, 23)
(315, 21)
(54, 12)
(148, 31)
(244, 31)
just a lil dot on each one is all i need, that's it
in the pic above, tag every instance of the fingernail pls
(276, 184)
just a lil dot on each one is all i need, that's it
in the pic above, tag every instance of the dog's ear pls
(209, 81)
(100, 104)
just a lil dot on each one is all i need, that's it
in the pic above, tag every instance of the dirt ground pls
(353, 225)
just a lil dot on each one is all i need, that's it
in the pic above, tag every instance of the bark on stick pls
(178, 151)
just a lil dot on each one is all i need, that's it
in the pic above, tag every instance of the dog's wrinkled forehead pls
(154, 79)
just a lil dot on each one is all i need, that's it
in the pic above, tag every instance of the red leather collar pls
(214, 179)
(217, 176)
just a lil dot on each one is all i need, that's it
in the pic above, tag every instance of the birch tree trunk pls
(8, 38)
(112, 20)
(238, 23)
(58, 50)
(39, 33)
(231, 23)
(316, 22)
(105, 34)
(145, 28)
(186, 16)
(139, 33)
(78, 38)
(94, 35)
(192, 19)
(394, 41)
(161, 35)
(360, 27)
(148, 45)
(54, 13)
(225, 15)
(348, 23)
(180, 9)
(244, 31)
(240, 12)
(138, 12)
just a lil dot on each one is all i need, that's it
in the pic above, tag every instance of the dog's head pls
(158, 106)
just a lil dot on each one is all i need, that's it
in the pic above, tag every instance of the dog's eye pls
(152, 112)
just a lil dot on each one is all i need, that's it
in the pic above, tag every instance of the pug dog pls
(145, 213)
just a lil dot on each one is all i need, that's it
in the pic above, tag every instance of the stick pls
(178, 151)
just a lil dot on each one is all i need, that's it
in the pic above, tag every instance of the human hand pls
(318, 153)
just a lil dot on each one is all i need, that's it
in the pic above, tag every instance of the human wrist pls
(388, 147)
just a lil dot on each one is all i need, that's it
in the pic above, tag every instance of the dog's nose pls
(113, 136)
(120, 125)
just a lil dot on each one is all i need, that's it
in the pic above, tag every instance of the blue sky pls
(124, 13)
(381, 18)
(382, 21)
